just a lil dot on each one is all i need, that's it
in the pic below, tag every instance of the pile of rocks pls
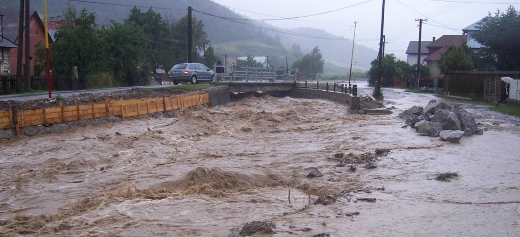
(440, 118)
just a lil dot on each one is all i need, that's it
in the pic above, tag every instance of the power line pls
(423, 14)
(268, 29)
(127, 5)
(305, 16)
(507, 3)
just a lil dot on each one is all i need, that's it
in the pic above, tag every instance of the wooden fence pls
(472, 83)
(122, 108)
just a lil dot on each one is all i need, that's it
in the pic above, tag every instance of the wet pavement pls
(212, 170)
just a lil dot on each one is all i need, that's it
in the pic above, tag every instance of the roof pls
(473, 27)
(442, 45)
(413, 47)
(11, 25)
(6, 43)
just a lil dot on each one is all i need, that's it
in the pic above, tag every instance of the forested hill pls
(229, 32)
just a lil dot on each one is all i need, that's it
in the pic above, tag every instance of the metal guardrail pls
(248, 74)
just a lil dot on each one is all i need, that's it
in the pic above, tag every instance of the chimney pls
(434, 39)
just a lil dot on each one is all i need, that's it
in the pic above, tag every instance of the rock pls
(31, 130)
(314, 173)
(325, 200)
(411, 113)
(434, 105)
(257, 226)
(468, 124)
(6, 133)
(352, 168)
(371, 165)
(60, 127)
(451, 135)
(427, 128)
(322, 235)
(448, 119)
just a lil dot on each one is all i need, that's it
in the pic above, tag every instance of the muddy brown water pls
(212, 170)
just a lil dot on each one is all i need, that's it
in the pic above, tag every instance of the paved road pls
(25, 97)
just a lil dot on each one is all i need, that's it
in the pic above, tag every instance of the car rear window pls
(180, 66)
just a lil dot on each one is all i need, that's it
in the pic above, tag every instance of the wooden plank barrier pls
(121, 108)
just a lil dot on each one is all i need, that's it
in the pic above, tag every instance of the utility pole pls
(19, 52)
(419, 52)
(47, 51)
(384, 44)
(352, 54)
(27, 49)
(190, 36)
(377, 89)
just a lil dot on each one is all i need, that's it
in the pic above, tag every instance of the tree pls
(249, 62)
(456, 58)
(78, 42)
(157, 44)
(200, 38)
(126, 46)
(500, 34)
(209, 58)
(311, 64)
(392, 67)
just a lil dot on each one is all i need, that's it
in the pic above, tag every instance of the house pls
(5, 47)
(37, 35)
(437, 48)
(470, 32)
(412, 52)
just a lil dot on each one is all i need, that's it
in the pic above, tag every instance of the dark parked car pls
(192, 72)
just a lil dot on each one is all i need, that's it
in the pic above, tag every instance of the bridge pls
(238, 86)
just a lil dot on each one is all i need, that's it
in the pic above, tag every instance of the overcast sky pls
(444, 17)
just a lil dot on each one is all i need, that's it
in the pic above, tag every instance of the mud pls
(212, 171)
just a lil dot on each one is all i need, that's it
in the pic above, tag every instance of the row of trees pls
(123, 54)
(393, 67)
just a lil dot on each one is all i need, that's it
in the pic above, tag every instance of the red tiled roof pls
(441, 45)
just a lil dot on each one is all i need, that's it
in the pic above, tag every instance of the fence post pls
(317, 85)
(334, 87)
(305, 84)
(327, 86)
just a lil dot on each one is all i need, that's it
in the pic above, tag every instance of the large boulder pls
(411, 113)
(427, 128)
(448, 119)
(435, 105)
(451, 136)
(468, 124)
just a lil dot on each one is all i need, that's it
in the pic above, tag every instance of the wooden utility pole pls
(47, 51)
(377, 89)
(419, 52)
(190, 36)
(352, 54)
(27, 48)
(19, 53)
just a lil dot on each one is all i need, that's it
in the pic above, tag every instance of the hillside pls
(230, 33)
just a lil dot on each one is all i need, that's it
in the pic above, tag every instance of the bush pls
(101, 80)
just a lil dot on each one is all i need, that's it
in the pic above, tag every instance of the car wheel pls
(212, 78)
(175, 82)
(193, 79)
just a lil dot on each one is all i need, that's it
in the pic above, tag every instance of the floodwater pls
(209, 171)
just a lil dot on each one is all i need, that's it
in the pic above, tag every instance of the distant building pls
(437, 48)
(412, 53)
(470, 32)
(37, 34)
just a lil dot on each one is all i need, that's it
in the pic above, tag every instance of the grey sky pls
(445, 17)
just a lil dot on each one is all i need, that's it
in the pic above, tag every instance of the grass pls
(191, 87)
(505, 109)
(446, 177)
